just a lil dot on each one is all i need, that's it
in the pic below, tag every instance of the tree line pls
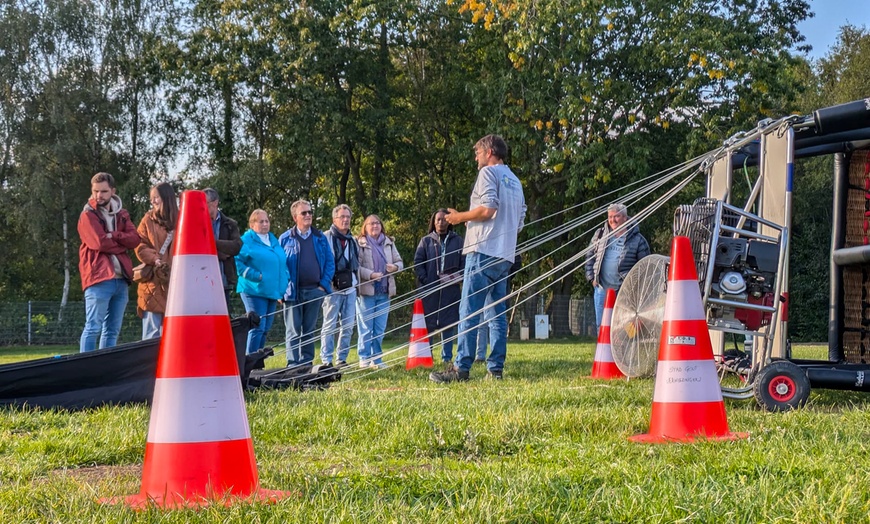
(377, 105)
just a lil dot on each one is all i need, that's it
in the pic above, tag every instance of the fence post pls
(29, 320)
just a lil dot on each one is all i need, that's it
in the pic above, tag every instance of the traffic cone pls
(419, 352)
(687, 402)
(603, 365)
(199, 447)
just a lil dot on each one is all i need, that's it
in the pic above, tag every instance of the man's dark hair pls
(496, 144)
(101, 177)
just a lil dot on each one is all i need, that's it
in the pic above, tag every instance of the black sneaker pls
(494, 375)
(341, 364)
(452, 375)
(448, 365)
(479, 361)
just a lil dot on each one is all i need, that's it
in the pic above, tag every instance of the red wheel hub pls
(782, 388)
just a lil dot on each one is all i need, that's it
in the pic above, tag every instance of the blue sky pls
(821, 30)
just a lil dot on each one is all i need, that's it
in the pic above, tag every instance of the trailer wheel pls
(781, 386)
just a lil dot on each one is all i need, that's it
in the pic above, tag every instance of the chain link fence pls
(47, 323)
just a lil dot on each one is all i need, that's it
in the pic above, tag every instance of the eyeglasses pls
(373, 223)
(306, 213)
(343, 217)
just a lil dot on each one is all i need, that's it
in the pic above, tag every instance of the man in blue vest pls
(311, 267)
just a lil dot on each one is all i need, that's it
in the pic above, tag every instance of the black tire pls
(781, 386)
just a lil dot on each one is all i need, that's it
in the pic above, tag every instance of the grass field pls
(544, 445)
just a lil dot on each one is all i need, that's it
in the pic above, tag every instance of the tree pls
(585, 91)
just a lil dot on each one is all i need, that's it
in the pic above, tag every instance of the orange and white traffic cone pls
(199, 447)
(687, 402)
(419, 351)
(603, 365)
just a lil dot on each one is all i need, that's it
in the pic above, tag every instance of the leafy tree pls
(841, 75)
(586, 91)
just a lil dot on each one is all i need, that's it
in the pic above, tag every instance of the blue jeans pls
(152, 325)
(447, 343)
(339, 311)
(372, 312)
(485, 279)
(599, 296)
(104, 311)
(483, 333)
(300, 320)
(264, 307)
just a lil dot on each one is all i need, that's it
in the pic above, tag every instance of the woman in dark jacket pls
(439, 264)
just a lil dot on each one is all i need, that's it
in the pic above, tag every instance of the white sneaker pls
(376, 365)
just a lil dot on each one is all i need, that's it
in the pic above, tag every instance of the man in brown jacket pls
(104, 264)
(228, 241)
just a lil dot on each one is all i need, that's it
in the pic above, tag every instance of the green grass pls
(544, 445)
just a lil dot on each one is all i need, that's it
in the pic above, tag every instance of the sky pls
(821, 30)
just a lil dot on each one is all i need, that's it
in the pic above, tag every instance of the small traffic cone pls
(199, 447)
(419, 351)
(603, 365)
(687, 402)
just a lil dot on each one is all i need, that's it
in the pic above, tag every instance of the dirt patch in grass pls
(97, 474)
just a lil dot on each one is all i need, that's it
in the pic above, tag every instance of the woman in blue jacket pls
(263, 277)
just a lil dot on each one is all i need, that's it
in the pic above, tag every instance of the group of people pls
(347, 278)
(106, 268)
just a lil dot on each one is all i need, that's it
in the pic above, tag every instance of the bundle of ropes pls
(578, 229)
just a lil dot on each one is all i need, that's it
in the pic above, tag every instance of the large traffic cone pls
(199, 447)
(419, 351)
(603, 365)
(687, 402)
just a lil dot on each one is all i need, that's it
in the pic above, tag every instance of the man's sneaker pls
(479, 361)
(451, 375)
(494, 375)
(341, 364)
(448, 365)
(326, 365)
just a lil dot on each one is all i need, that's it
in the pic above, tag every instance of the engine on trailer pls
(744, 270)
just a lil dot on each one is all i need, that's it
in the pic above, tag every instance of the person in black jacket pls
(616, 249)
(228, 240)
(439, 265)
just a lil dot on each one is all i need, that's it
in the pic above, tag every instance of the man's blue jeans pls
(339, 312)
(372, 313)
(447, 337)
(264, 307)
(485, 277)
(599, 297)
(105, 303)
(300, 321)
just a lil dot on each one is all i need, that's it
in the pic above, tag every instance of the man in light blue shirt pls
(496, 213)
